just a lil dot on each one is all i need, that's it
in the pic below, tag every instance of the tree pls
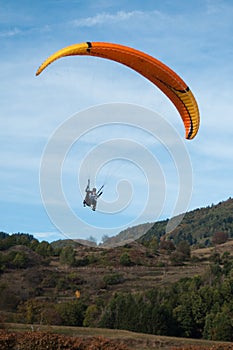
(181, 254)
(177, 258)
(67, 256)
(72, 313)
(183, 315)
(125, 259)
(91, 316)
(220, 237)
(169, 246)
(44, 249)
(121, 313)
(184, 248)
(219, 326)
(20, 260)
(154, 245)
(30, 311)
(2, 263)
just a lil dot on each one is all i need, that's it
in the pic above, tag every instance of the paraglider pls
(92, 196)
(154, 70)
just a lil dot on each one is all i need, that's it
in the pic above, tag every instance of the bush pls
(125, 259)
(67, 256)
(115, 278)
(43, 340)
(220, 237)
(72, 313)
(177, 258)
(167, 246)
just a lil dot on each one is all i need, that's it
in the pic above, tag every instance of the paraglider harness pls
(92, 196)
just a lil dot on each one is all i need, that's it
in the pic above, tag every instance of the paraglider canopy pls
(151, 68)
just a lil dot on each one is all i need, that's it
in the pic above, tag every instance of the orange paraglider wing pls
(151, 68)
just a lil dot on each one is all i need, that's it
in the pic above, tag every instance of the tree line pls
(198, 307)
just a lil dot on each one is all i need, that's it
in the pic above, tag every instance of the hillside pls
(169, 287)
(44, 292)
(198, 226)
(128, 235)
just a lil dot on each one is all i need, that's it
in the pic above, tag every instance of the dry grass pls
(205, 253)
(125, 339)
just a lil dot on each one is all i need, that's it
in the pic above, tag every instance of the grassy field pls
(131, 340)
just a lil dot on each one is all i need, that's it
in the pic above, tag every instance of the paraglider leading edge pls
(154, 70)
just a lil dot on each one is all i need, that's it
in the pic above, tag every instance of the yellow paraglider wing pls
(151, 68)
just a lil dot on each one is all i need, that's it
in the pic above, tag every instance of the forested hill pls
(159, 287)
(198, 226)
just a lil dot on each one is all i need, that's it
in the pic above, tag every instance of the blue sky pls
(194, 38)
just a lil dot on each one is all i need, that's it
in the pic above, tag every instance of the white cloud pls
(105, 18)
(10, 33)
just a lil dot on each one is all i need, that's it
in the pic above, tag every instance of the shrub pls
(115, 278)
(125, 259)
(220, 237)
